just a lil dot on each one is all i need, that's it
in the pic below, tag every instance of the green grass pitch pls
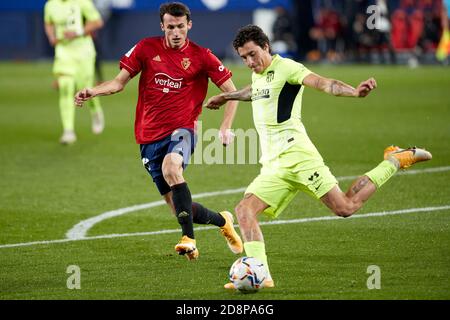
(46, 189)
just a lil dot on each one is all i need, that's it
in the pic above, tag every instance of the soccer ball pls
(248, 274)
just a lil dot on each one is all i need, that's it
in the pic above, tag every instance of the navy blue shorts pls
(181, 141)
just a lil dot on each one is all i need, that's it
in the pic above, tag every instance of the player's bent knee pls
(244, 212)
(173, 174)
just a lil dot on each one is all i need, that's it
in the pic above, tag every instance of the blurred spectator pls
(443, 50)
(362, 38)
(417, 28)
(382, 32)
(402, 28)
(431, 30)
(303, 21)
(283, 34)
(355, 36)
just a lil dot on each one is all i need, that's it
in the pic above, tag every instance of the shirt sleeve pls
(215, 70)
(297, 72)
(131, 61)
(89, 10)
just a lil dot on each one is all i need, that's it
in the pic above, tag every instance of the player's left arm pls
(225, 133)
(51, 34)
(338, 88)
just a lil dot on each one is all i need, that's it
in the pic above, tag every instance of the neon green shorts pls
(83, 70)
(278, 186)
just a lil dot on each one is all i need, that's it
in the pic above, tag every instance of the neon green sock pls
(87, 81)
(257, 249)
(66, 105)
(382, 173)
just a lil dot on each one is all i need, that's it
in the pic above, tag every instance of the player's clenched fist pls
(365, 87)
(83, 95)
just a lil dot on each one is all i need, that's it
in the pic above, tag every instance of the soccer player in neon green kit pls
(68, 25)
(290, 161)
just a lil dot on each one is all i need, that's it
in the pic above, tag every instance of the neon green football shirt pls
(69, 15)
(277, 103)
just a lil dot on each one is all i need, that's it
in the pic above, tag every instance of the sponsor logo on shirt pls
(167, 83)
(260, 94)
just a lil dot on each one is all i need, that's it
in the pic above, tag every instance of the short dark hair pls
(253, 33)
(176, 9)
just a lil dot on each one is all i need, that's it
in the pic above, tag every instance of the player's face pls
(255, 57)
(175, 30)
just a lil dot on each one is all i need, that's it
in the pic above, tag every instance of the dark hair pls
(251, 33)
(176, 9)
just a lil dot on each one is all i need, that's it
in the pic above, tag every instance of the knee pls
(239, 210)
(171, 172)
(244, 213)
(66, 85)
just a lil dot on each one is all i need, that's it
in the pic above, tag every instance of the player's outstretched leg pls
(360, 191)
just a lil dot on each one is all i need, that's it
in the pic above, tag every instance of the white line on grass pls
(80, 230)
(275, 222)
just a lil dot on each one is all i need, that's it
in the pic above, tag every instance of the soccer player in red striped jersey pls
(172, 86)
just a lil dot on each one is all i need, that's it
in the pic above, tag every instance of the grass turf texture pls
(46, 189)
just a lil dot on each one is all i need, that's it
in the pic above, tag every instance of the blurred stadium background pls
(336, 31)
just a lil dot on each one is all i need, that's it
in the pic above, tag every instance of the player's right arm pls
(338, 88)
(215, 102)
(106, 88)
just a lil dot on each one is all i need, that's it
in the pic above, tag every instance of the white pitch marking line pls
(277, 222)
(80, 230)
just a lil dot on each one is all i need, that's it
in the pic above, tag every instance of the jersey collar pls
(275, 58)
(165, 46)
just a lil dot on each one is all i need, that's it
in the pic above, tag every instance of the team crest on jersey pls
(185, 63)
(270, 76)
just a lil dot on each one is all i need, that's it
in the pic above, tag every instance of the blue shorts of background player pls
(181, 141)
